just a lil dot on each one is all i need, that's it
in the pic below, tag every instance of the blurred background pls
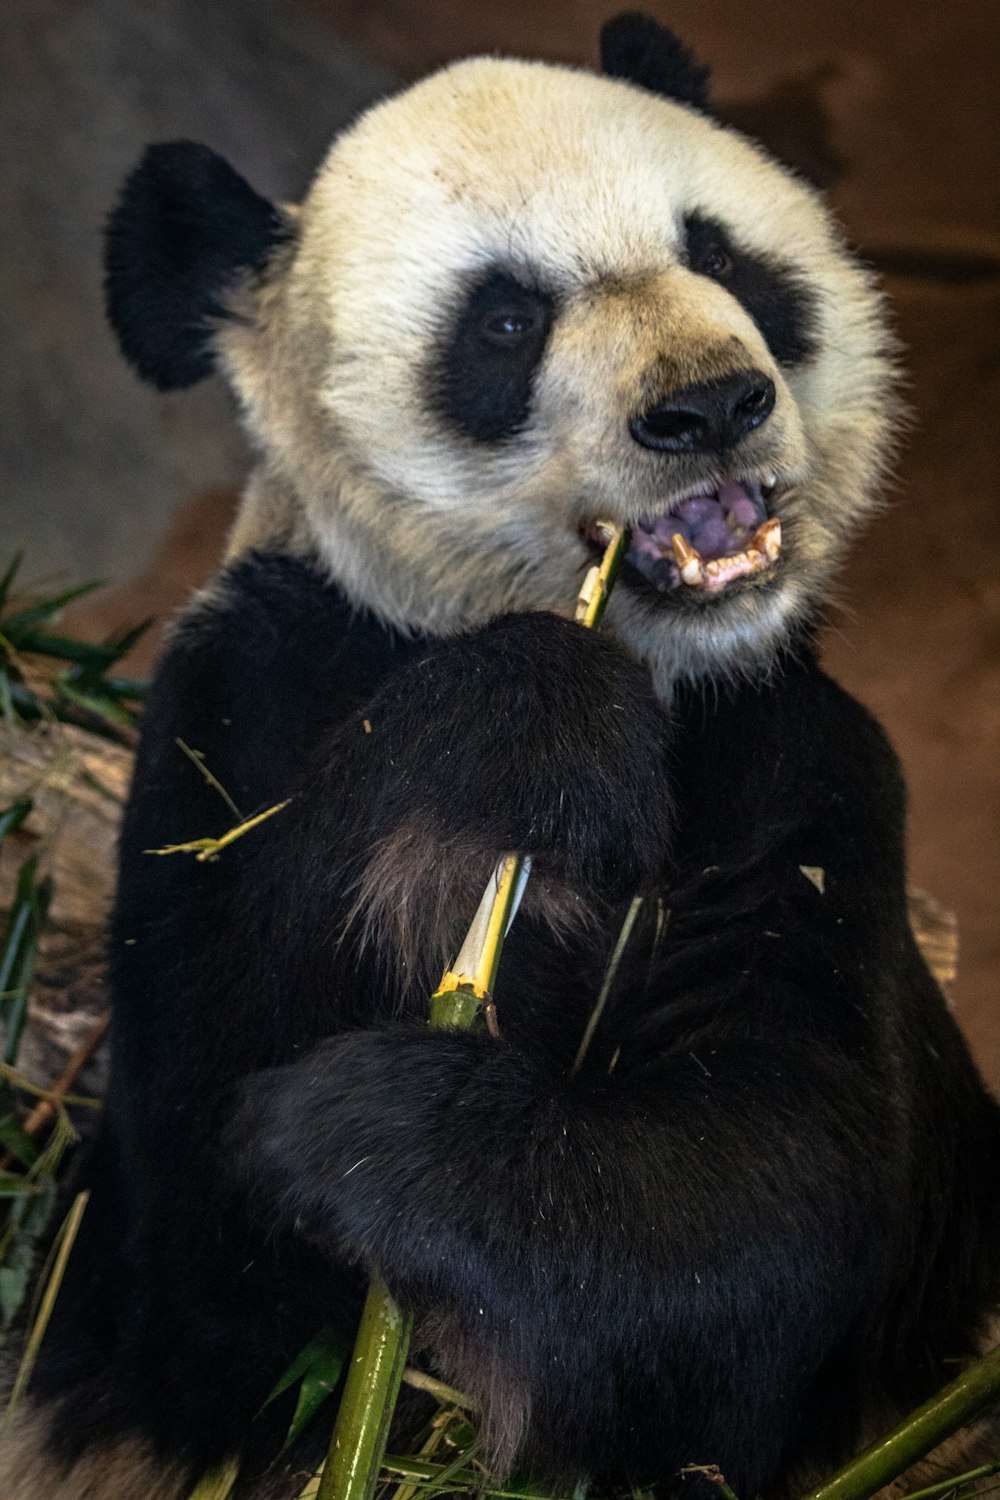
(891, 108)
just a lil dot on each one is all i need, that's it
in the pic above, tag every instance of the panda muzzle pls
(708, 538)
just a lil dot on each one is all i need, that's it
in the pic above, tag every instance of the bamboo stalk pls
(958, 1482)
(958, 1403)
(610, 975)
(64, 1244)
(362, 1428)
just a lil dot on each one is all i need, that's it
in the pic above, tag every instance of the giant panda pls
(760, 1221)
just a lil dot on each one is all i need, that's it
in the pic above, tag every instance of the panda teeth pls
(690, 563)
(767, 539)
(764, 549)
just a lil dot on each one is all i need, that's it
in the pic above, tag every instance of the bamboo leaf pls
(13, 1185)
(13, 816)
(31, 903)
(128, 687)
(89, 654)
(46, 609)
(14, 1140)
(92, 701)
(7, 698)
(123, 642)
(64, 1244)
(218, 1484)
(8, 578)
(318, 1366)
(427, 1477)
(26, 1219)
(958, 1483)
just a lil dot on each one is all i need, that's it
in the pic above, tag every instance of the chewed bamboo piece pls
(359, 1437)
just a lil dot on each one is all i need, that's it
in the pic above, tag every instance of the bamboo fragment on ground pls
(45, 1109)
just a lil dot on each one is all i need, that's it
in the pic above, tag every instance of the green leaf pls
(13, 816)
(14, 1140)
(88, 654)
(124, 640)
(26, 1220)
(128, 687)
(318, 1366)
(28, 912)
(17, 927)
(93, 701)
(9, 576)
(13, 1185)
(13, 625)
(7, 708)
(27, 1216)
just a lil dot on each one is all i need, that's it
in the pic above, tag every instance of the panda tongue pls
(717, 524)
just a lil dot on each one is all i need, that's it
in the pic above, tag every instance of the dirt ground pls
(893, 107)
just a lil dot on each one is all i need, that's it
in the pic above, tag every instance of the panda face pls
(520, 298)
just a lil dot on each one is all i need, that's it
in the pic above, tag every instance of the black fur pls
(185, 229)
(485, 371)
(639, 49)
(779, 302)
(766, 1201)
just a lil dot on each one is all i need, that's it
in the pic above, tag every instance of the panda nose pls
(707, 418)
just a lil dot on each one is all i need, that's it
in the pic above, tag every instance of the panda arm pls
(730, 1193)
(229, 966)
(433, 757)
(678, 1224)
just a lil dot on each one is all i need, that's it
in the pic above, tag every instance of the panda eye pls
(715, 262)
(505, 327)
(490, 354)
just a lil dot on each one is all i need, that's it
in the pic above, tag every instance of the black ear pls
(639, 49)
(185, 228)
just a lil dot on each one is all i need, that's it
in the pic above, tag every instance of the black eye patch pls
(780, 304)
(486, 366)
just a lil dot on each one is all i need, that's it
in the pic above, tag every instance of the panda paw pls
(352, 1144)
(530, 735)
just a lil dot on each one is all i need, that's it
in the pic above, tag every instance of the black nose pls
(707, 418)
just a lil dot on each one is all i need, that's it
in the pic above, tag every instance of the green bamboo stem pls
(362, 1428)
(359, 1438)
(958, 1482)
(430, 1474)
(954, 1406)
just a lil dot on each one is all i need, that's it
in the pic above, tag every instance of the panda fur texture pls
(760, 1222)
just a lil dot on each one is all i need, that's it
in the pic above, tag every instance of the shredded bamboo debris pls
(209, 848)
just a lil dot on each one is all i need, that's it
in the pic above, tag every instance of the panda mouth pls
(709, 538)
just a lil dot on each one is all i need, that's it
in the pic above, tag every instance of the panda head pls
(519, 298)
